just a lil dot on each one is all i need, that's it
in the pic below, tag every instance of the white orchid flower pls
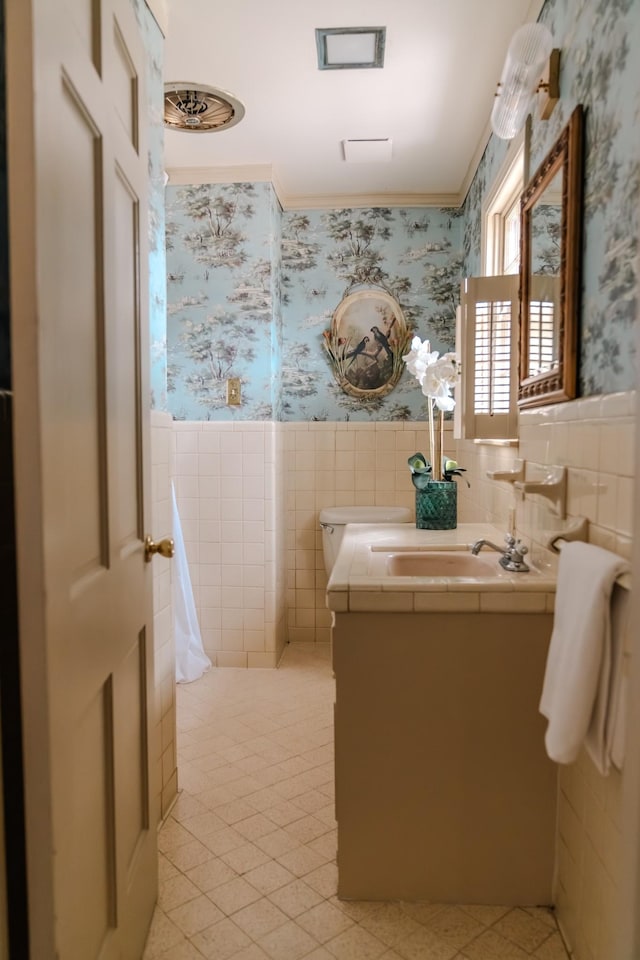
(419, 358)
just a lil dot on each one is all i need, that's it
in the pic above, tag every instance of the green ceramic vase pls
(436, 504)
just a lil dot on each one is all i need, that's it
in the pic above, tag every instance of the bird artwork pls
(360, 348)
(382, 340)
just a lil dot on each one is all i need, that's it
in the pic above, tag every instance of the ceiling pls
(433, 96)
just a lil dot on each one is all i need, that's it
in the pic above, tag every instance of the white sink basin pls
(449, 563)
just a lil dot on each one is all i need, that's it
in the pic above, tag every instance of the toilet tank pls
(333, 520)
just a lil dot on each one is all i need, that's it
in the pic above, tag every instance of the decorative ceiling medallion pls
(199, 109)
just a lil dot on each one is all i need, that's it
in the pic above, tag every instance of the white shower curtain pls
(191, 660)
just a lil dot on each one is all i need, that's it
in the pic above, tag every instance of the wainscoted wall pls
(594, 438)
(164, 647)
(230, 493)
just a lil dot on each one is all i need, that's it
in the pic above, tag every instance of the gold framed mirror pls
(550, 237)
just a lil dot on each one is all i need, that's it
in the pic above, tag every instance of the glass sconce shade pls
(529, 50)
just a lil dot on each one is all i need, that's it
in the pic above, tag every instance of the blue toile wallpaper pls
(599, 40)
(251, 289)
(221, 320)
(154, 45)
(413, 254)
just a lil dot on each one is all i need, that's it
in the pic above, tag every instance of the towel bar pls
(624, 580)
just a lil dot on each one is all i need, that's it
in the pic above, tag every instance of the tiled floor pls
(247, 858)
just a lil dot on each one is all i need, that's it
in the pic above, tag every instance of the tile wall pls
(228, 487)
(594, 438)
(344, 463)
(164, 649)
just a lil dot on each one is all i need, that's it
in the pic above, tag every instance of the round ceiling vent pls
(199, 109)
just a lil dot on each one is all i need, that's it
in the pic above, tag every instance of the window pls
(489, 313)
(490, 323)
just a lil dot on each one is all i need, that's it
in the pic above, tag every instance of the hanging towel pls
(191, 660)
(582, 675)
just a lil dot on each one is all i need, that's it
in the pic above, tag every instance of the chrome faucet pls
(512, 558)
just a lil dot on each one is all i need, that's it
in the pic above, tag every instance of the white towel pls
(580, 690)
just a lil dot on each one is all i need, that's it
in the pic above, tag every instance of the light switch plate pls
(234, 393)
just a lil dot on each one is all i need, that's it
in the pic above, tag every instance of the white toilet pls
(333, 520)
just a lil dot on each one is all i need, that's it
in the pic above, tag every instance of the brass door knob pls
(164, 547)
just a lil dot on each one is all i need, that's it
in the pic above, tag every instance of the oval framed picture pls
(365, 344)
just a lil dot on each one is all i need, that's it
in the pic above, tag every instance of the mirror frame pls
(559, 384)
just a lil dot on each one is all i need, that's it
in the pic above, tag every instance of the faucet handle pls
(519, 548)
(509, 539)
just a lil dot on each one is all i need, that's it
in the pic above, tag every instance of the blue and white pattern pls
(251, 289)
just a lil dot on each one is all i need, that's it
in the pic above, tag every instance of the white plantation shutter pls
(490, 357)
(542, 347)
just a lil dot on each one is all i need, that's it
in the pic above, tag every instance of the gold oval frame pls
(366, 342)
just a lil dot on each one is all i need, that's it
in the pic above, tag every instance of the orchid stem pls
(432, 444)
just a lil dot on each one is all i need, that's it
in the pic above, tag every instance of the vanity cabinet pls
(444, 791)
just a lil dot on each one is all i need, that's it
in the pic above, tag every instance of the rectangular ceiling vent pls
(367, 151)
(350, 48)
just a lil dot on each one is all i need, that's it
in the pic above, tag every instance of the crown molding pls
(264, 173)
(248, 173)
(348, 201)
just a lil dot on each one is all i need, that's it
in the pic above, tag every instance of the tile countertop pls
(360, 583)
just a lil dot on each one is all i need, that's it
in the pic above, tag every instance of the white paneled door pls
(78, 182)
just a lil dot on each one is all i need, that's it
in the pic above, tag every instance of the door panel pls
(88, 358)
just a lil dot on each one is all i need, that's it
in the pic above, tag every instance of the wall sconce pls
(531, 66)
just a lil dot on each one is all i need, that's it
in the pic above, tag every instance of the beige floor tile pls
(255, 826)
(301, 861)
(324, 879)
(486, 915)
(295, 898)
(356, 943)
(491, 946)
(163, 934)
(172, 835)
(425, 945)
(455, 926)
(195, 915)
(224, 840)
(268, 877)
(288, 942)
(319, 954)
(259, 918)
(252, 952)
(175, 891)
(552, 949)
(390, 924)
(324, 921)
(521, 928)
(221, 941)
(278, 843)
(307, 829)
(203, 824)
(189, 855)
(234, 895)
(181, 951)
(213, 873)
(165, 868)
(283, 812)
(247, 857)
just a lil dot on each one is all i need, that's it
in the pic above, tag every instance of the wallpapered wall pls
(246, 300)
(154, 45)
(241, 272)
(599, 70)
